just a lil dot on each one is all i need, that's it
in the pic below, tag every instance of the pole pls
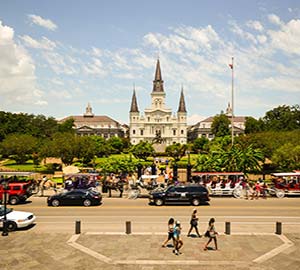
(5, 231)
(232, 104)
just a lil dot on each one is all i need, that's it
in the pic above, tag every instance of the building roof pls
(181, 107)
(235, 119)
(158, 83)
(134, 106)
(90, 119)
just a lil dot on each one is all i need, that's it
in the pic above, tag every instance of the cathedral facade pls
(158, 124)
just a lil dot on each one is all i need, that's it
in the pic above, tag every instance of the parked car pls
(16, 219)
(17, 192)
(86, 197)
(193, 194)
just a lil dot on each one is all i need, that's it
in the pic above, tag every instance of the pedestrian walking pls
(257, 190)
(178, 240)
(170, 233)
(264, 190)
(194, 223)
(211, 233)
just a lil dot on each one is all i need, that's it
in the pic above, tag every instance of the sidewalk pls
(29, 250)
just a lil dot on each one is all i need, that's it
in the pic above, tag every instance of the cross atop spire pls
(158, 83)
(181, 107)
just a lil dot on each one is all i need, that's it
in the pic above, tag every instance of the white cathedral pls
(158, 124)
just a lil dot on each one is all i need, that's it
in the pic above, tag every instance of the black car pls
(193, 194)
(86, 197)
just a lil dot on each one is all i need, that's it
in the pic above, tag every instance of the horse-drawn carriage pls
(221, 183)
(147, 182)
(286, 184)
(80, 180)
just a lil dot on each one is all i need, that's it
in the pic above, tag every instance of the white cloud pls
(59, 64)
(96, 52)
(184, 38)
(242, 33)
(17, 73)
(256, 25)
(195, 118)
(60, 94)
(287, 38)
(262, 39)
(274, 19)
(57, 81)
(44, 43)
(95, 68)
(38, 20)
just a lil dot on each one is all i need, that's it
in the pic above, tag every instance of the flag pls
(231, 66)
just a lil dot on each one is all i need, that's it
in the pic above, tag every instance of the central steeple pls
(158, 83)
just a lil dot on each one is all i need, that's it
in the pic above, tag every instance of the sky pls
(58, 55)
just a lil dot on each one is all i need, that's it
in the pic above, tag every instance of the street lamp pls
(5, 188)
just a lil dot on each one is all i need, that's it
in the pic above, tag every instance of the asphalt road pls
(244, 215)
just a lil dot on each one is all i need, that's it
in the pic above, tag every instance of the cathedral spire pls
(134, 106)
(158, 83)
(181, 107)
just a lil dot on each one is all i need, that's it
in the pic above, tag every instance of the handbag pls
(194, 222)
(212, 234)
(207, 234)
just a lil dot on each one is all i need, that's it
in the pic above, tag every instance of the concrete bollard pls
(77, 227)
(227, 227)
(128, 227)
(278, 228)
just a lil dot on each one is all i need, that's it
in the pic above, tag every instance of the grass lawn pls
(27, 167)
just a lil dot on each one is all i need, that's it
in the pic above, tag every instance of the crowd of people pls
(175, 233)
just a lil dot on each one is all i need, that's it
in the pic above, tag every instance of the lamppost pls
(5, 188)
(188, 168)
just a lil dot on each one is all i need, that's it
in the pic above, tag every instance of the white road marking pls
(286, 244)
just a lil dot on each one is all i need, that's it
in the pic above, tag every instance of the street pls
(245, 215)
(103, 244)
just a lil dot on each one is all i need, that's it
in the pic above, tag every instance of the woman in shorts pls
(211, 233)
(170, 233)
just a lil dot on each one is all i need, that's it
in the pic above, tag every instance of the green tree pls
(86, 149)
(220, 125)
(116, 144)
(121, 165)
(66, 126)
(235, 158)
(64, 146)
(282, 118)
(142, 150)
(287, 157)
(253, 126)
(200, 145)
(176, 151)
(103, 149)
(19, 147)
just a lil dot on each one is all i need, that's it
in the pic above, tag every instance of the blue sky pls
(56, 56)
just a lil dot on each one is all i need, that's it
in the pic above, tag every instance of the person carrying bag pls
(194, 223)
(211, 233)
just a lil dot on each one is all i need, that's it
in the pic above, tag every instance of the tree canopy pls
(220, 125)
